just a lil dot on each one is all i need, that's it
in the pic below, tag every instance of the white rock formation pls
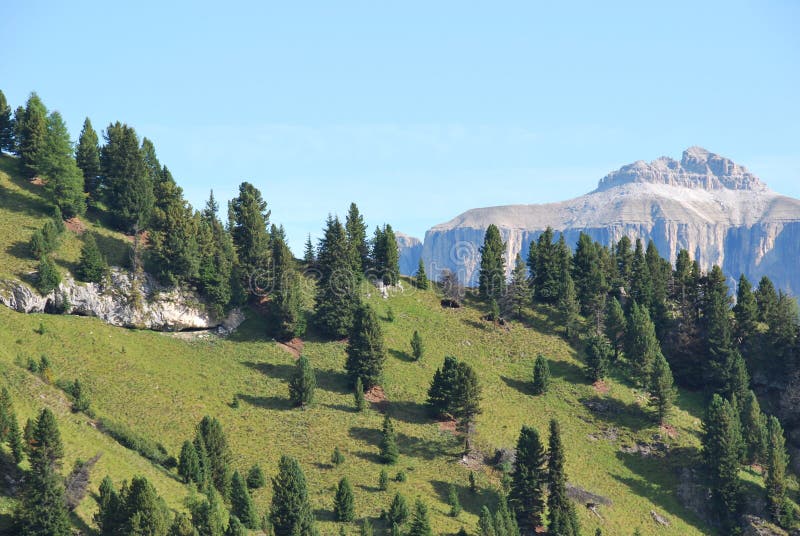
(410, 251)
(158, 309)
(716, 209)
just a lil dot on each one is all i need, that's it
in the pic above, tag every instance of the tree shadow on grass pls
(371, 457)
(370, 436)
(428, 450)
(341, 407)
(475, 324)
(409, 411)
(267, 402)
(402, 356)
(524, 387)
(324, 514)
(620, 413)
(279, 372)
(331, 380)
(471, 502)
(567, 371)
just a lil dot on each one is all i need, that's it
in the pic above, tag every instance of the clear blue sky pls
(416, 110)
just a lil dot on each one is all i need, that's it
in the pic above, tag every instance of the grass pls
(160, 386)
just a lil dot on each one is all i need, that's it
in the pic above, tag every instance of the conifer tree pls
(541, 375)
(49, 277)
(235, 527)
(745, 312)
(641, 285)
(420, 523)
(721, 448)
(248, 219)
(662, 391)
(641, 346)
(309, 253)
(737, 380)
(87, 157)
(92, 266)
(189, 464)
(717, 332)
(452, 500)
(302, 383)
(218, 453)
(14, 438)
(417, 346)
(110, 512)
(485, 523)
(615, 325)
(777, 460)
(383, 480)
(144, 511)
(506, 517)
(598, 355)
(216, 277)
(528, 480)
(358, 395)
(366, 527)
(54, 162)
(366, 352)
(207, 516)
(754, 430)
(290, 512)
(127, 186)
(455, 391)
(561, 518)
(241, 504)
(337, 293)
(385, 255)
(337, 458)
(6, 125)
(591, 285)
(255, 477)
(388, 444)
(766, 299)
(568, 303)
(31, 133)
(398, 511)
(356, 231)
(492, 273)
(420, 278)
(544, 268)
(343, 503)
(518, 293)
(181, 526)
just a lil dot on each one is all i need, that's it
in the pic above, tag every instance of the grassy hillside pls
(162, 385)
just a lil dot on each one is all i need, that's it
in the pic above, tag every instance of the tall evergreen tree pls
(777, 461)
(591, 285)
(492, 273)
(343, 503)
(641, 284)
(420, 278)
(248, 219)
(745, 313)
(109, 516)
(366, 352)
(290, 511)
(721, 448)
(92, 266)
(485, 523)
(181, 526)
(417, 346)
(358, 395)
(717, 332)
(541, 375)
(207, 516)
(528, 480)
(642, 348)
(127, 186)
(545, 262)
(398, 511)
(54, 162)
(453, 501)
(766, 299)
(48, 277)
(598, 354)
(302, 383)
(337, 291)
(624, 258)
(218, 256)
(189, 464)
(31, 133)
(568, 304)
(754, 430)
(455, 391)
(144, 511)
(235, 527)
(386, 255)
(615, 325)
(662, 391)
(518, 293)
(356, 231)
(6, 125)
(561, 518)
(219, 456)
(241, 504)
(286, 307)
(309, 253)
(388, 445)
(87, 157)
(420, 523)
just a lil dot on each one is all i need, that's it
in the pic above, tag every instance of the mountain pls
(410, 250)
(704, 203)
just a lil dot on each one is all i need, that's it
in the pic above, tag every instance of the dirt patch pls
(75, 225)
(601, 387)
(669, 431)
(144, 238)
(448, 426)
(294, 347)
(37, 181)
(377, 397)
(606, 433)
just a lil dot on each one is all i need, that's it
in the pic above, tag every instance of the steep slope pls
(717, 210)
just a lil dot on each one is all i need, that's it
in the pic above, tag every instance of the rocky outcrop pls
(410, 252)
(149, 306)
(704, 203)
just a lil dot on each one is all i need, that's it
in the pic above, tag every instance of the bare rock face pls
(117, 303)
(410, 251)
(712, 207)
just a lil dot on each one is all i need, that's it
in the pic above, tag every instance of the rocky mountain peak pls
(698, 168)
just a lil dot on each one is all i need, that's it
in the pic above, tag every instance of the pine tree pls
(290, 511)
(217, 451)
(641, 284)
(568, 303)
(398, 511)
(337, 458)
(207, 516)
(591, 285)
(110, 512)
(561, 517)
(420, 524)
(383, 480)
(615, 325)
(504, 518)
(144, 511)
(54, 162)
(388, 444)
(417, 346)
(528, 480)
(14, 438)
(216, 277)
(343, 503)
(717, 329)
(356, 231)
(420, 278)
(541, 375)
(485, 523)
(518, 293)
(543, 264)
(248, 219)
(286, 305)
(49, 277)
(6, 125)
(31, 133)
(777, 461)
(358, 395)
(92, 266)
(87, 157)
(189, 464)
(255, 477)
(766, 299)
(235, 527)
(598, 355)
(366, 352)
(455, 391)
(127, 186)
(721, 447)
(492, 273)
(241, 504)
(309, 253)
(737, 380)
(754, 429)
(181, 526)
(745, 312)
(337, 294)
(366, 527)
(302, 383)
(662, 391)
(452, 501)
(641, 346)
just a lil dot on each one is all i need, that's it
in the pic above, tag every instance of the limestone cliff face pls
(410, 250)
(704, 203)
(158, 308)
